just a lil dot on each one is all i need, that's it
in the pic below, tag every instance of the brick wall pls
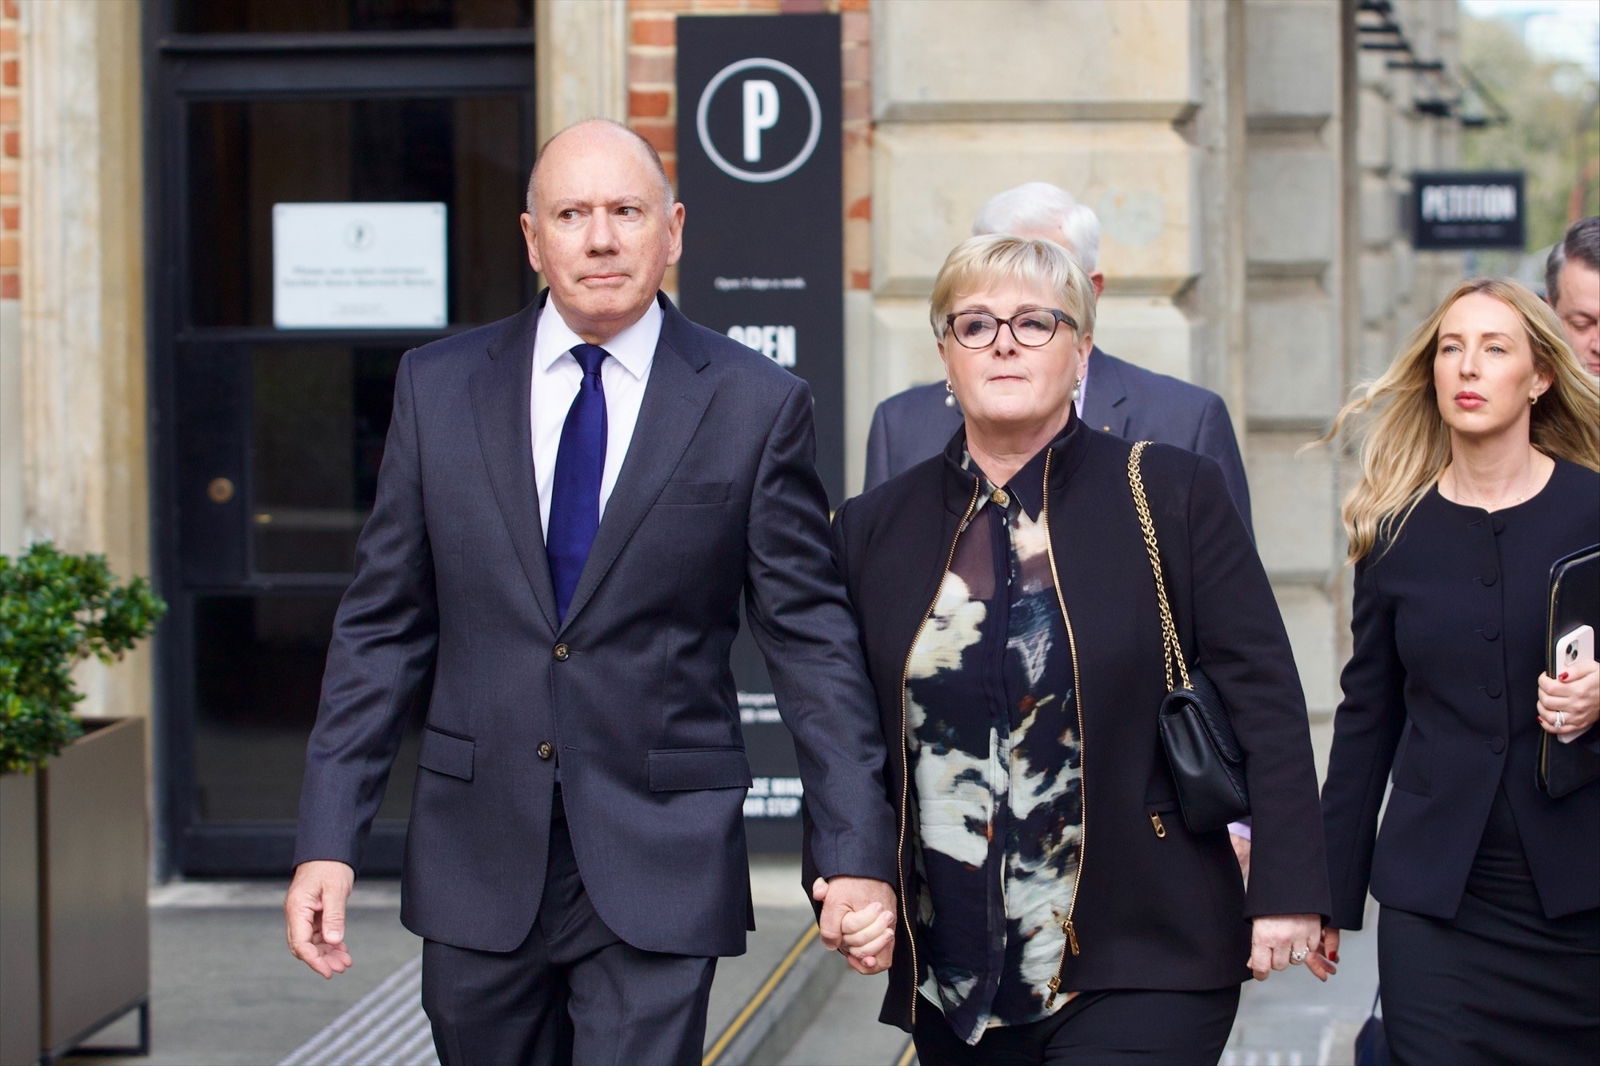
(653, 104)
(10, 154)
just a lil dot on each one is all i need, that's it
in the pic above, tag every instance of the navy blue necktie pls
(575, 497)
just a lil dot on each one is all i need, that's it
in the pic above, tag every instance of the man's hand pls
(857, 921)
(313, 912)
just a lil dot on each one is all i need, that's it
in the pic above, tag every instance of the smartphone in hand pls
(1572, 647)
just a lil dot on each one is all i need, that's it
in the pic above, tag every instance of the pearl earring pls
(949, 394)
(1077, 390)
(1533, 399)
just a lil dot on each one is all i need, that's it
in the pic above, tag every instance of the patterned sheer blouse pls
(992, 733)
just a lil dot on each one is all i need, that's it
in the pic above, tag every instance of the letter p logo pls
(760, 113)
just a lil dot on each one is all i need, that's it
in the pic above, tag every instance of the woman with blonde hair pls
(1480, 467)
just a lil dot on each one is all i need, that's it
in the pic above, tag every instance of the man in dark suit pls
(1117, 396)
(572, 503)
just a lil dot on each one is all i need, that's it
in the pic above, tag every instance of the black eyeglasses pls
(1032, 329)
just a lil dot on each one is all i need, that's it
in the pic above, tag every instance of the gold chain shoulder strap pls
(1172, 651)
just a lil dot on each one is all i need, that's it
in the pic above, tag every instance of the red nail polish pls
(1563, 676)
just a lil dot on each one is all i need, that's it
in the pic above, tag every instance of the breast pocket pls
(690, 493)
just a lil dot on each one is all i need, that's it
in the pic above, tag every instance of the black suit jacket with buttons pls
(632, 694)
(1449, 641)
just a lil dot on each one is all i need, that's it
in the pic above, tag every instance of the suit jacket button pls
(545, 750)
(1490, 632)
(1489, 578)
(1497, 744)
(562, 652)
(1493, 689)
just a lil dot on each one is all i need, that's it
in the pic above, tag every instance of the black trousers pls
(571, 993)
(1153, 1028)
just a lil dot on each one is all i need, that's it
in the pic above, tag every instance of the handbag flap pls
(1203, 697)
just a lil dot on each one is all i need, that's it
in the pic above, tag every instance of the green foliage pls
(56, 610)
(1553, 131)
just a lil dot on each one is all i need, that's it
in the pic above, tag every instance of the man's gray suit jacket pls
(1124, 399)
(716, 500)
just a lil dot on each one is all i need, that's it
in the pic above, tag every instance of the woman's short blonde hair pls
(979, 263)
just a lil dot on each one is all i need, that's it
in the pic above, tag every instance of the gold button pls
(562, 652)
(999, 496)
(545, 750)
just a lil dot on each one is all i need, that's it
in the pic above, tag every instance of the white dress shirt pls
(556, 378)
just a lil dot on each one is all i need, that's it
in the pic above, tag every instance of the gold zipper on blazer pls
(1071, 943)
(905, 759)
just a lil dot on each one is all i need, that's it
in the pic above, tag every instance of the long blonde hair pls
(1405, 445)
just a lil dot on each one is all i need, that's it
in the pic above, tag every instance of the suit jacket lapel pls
(500, 398)
(1106, 407)
(675, 398)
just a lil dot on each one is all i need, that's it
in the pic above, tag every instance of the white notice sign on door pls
(358, 266)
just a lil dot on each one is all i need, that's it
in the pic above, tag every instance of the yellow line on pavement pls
(909, 1055)
(762, 994)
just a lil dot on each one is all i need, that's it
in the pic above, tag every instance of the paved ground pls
(226, 992)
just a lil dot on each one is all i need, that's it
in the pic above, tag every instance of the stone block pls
(1291, 59)
(1372, 130)
(1293, 498)
(1292, 370)
(1376, 279)
(1137, 176)
(1149, 331)
(1380, 210)
(949, 60)
(859, 400)
(904, 352)
(1315, 627)
(1290, 217)
(1403, 132)
(12, 445)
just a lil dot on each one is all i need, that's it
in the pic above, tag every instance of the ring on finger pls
(1298, 955)
(1561, 719)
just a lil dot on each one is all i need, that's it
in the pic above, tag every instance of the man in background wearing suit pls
(572, 503)
(1117, 396)
(1572, 285)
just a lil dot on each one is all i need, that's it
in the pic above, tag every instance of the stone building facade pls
(1247, 159)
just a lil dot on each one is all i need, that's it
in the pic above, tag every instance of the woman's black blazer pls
(1449, 639)
(1156, 909)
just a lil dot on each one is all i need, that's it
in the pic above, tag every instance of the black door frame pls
(179, 69)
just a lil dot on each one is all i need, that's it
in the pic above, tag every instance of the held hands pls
(1570, 703)
(313, 912)
(857, 921)
(1278, 941)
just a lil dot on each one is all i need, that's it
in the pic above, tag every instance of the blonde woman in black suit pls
(1478, 471)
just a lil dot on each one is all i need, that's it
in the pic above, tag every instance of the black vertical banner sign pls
(759, 173)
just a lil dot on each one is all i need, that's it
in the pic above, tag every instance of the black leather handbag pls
(1203, 751)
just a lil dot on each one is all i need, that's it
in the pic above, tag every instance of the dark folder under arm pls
(1574, 601)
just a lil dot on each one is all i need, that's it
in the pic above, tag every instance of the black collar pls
(1027, 485)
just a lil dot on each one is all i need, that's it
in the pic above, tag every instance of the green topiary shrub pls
(56, 610)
